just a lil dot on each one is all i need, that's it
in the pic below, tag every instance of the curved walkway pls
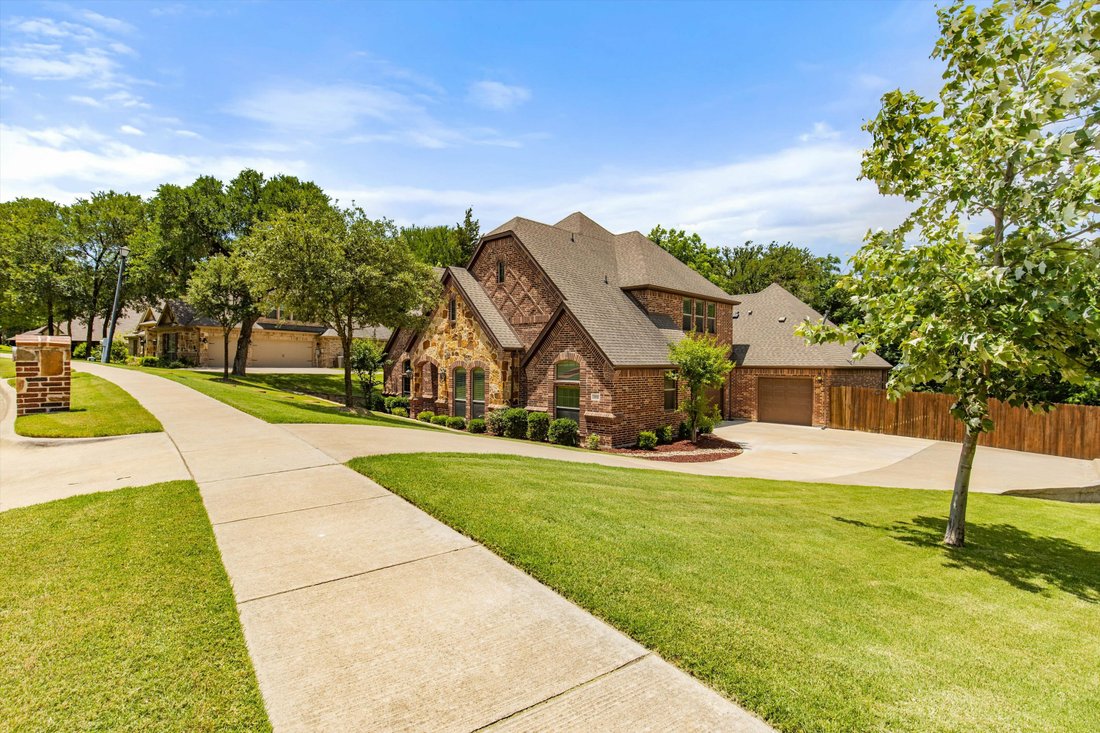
(363, 613)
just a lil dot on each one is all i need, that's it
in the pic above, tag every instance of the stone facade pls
(42, 374)
(743, 388)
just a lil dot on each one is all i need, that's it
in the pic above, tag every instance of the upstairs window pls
(699, 316)
(687, 314)
(452, 310)
(712, 321)
(500, 271)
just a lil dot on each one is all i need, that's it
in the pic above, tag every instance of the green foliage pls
(647, 440)
(514, 422)
(664, 434)
(494, 422)
(701, 362)
(425, 415)
(443, 245)
(538, 426)
(98, 408)
(400, 411)
(394, 401)
(592, 442)
(683, 431)
(456, 423)
(564, 431)
(477, 425)
(440, 419)
(149, 361)
(35, 265)
(219, 291)
(367, 358)
(119, 352)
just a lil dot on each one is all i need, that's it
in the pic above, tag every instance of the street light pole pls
(105, 349)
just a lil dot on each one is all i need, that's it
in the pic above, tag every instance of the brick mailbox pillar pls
(42, 373)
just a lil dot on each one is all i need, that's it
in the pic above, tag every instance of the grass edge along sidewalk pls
(818, 607)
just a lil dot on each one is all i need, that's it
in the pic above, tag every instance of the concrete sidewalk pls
(363, 613)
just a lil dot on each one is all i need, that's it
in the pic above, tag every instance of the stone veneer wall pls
(526, 298)
(43, 374)
(743, 393)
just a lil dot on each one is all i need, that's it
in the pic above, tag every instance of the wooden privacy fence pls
(1072, 431)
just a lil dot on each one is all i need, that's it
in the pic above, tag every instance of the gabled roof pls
(128, 321)
(484, 310)
(763, 335)
(178, 312)
(593, 269)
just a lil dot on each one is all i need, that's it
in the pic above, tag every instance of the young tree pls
(1011, 139)
(701, 362)
(34, 263)
(367, 358)
(466, 235)
(342, 269)
(219, 291)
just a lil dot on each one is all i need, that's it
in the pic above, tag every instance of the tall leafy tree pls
(218, 290)
(35, 265)
(466, 235)
(436, 245)
(1011, 139)
(342, 269)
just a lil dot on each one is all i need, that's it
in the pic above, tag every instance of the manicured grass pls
(99, 408)
(271, 397)
(116, 614)
(820, 607)
(5, 349)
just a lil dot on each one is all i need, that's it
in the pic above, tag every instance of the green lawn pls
(820, 607)
(271, 397)
(116, 614)
(99, 408)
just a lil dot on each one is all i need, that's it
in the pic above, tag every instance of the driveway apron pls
(361, 612)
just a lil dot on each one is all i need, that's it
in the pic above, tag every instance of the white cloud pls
(821, 131)
(495, 95)
(130, 130)
(50, 49)
(187, 133)
(87, 101)
(105, 22)
(126, 99)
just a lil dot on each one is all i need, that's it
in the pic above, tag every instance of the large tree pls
(343, 269)
(1012, 139)
(444, 245)
(34, 264)
(218, 290)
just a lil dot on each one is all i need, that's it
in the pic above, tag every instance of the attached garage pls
(276, 352)
(786, 400)
(216, 351)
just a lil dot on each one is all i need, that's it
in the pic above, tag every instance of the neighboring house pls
(77, 329)
(781, 378)
(568, 319)
(176, 333)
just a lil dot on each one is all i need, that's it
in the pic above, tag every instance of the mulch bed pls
(709, 448)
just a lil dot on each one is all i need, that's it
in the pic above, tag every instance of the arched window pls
(460, 392)
(567, 390)
(477, 396)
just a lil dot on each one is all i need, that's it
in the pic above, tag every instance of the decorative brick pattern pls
(526, 298)
(42, 374)
(743, 388)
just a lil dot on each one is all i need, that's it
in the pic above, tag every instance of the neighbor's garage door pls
(280, 353)
(789, 401)
(215, 351)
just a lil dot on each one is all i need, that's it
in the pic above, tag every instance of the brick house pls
(568, 319)
(781, 378)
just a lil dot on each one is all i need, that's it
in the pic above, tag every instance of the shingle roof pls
(128, 320)
(591, 267)
(763, 335)
(482, 304)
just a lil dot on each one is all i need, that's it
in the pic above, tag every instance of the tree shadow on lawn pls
(1024, 560)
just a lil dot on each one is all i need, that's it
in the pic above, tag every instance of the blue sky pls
(737, 120)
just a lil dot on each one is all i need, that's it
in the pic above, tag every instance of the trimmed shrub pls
(684, 431)
(664, 435)
(456, 423)
(393, 402)
(440, 419)
(177, 364)
(707, 421)
(400, 412)
(149, 361)
(564, 431)
(538, 426)
(119, 352)
(425, 415)
(515, 422)
(477, 425)
(647, 440)
(592, 441)
(494, 422)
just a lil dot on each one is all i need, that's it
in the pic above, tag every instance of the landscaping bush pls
(494, 422)
(119, 352)
(708, 420)
(664, 435)
(440, 419)
(177, 364)
(393, 402)
(456, 423)
(400, 412)
(477, 425)
(149, 361)
(515, 422)
(538, 426)
(683, 432)
(564, 431)
(425, 415)
(592, 441)
(647, 440)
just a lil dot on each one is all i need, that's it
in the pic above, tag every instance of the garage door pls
(215, 351)
(280, 353)
(789, 401)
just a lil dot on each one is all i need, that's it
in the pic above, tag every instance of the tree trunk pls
(349, 393)
(91, 318)
(225, 353)
(956, 523)
(49, 315)
(240, 361)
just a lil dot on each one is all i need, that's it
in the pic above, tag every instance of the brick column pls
(42, 373)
